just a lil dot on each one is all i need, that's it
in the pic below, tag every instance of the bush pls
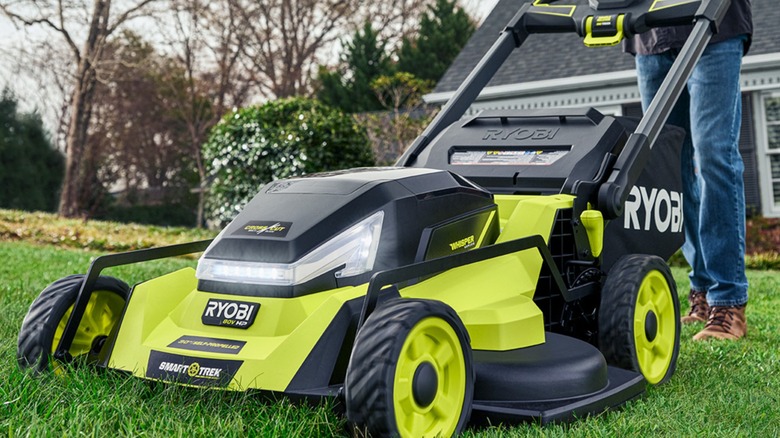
(762, 235)
(281, 139)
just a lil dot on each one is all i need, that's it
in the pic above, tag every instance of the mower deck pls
(623, 386)
(558, 381)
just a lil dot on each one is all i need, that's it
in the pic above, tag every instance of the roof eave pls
(751, 63)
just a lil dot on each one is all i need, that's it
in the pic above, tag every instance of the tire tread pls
(619, 294)
(372, 366)
(37, 332)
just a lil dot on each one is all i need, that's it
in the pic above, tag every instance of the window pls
(770, 105)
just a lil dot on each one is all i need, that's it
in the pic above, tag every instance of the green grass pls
(720, 389)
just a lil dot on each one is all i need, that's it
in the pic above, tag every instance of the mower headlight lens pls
(355, 249)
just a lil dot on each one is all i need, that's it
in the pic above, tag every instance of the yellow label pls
(468, 242)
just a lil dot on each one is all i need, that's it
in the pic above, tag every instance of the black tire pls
(642, 286)
(373, 388)
(52, 307)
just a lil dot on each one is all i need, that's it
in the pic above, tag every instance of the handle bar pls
(602, 22)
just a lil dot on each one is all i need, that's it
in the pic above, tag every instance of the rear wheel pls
(411, 372)
(639, 317)
(45, 322)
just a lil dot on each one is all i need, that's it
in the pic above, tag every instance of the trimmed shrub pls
(281, 139)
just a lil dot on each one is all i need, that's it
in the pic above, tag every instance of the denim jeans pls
(710, 110)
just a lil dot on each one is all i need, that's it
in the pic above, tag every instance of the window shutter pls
(747, 148)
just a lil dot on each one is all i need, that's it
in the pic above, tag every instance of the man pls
(714, 200)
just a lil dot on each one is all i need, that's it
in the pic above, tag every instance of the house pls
(557, 70)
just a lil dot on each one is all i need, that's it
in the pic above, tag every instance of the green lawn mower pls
(510, 267)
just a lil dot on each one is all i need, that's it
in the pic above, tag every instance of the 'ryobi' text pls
(520, 134)
(239, 314)
(659, 210)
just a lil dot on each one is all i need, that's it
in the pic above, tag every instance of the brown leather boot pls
(724, 323)
(699, 308)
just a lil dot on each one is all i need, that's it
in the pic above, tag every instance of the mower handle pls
(602, 22)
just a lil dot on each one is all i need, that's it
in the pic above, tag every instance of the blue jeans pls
(710, 110)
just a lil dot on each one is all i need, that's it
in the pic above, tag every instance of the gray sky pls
(8, 34)
(479, 8)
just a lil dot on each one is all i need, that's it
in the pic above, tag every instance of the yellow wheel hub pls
(430, 381)
(654, 327)
(102, 312)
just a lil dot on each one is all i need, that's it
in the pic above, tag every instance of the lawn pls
(720, 389)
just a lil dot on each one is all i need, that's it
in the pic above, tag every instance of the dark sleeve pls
(738, 21)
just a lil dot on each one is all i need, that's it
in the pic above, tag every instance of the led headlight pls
(355, 249)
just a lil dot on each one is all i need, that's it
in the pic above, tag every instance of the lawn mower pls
(509, 267)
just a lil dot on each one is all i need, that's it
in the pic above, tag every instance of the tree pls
(65, 19)
(30, 169)
(280, 139)
(228, 50)
(444, 30)
(136, 142)
(147, 111)
(405, 117)
(283, 38)
(207, 78)
(364, 59)
(394, 20)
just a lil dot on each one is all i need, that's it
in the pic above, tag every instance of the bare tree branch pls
(85, 75)
(129, 14)
(46, 21)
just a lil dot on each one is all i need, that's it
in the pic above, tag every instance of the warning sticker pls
(506, 158)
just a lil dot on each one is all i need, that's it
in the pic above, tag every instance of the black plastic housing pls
(529, 152)
(425, 212)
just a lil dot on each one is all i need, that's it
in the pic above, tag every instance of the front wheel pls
(639, 317)
(411, 371)
(45, 322)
